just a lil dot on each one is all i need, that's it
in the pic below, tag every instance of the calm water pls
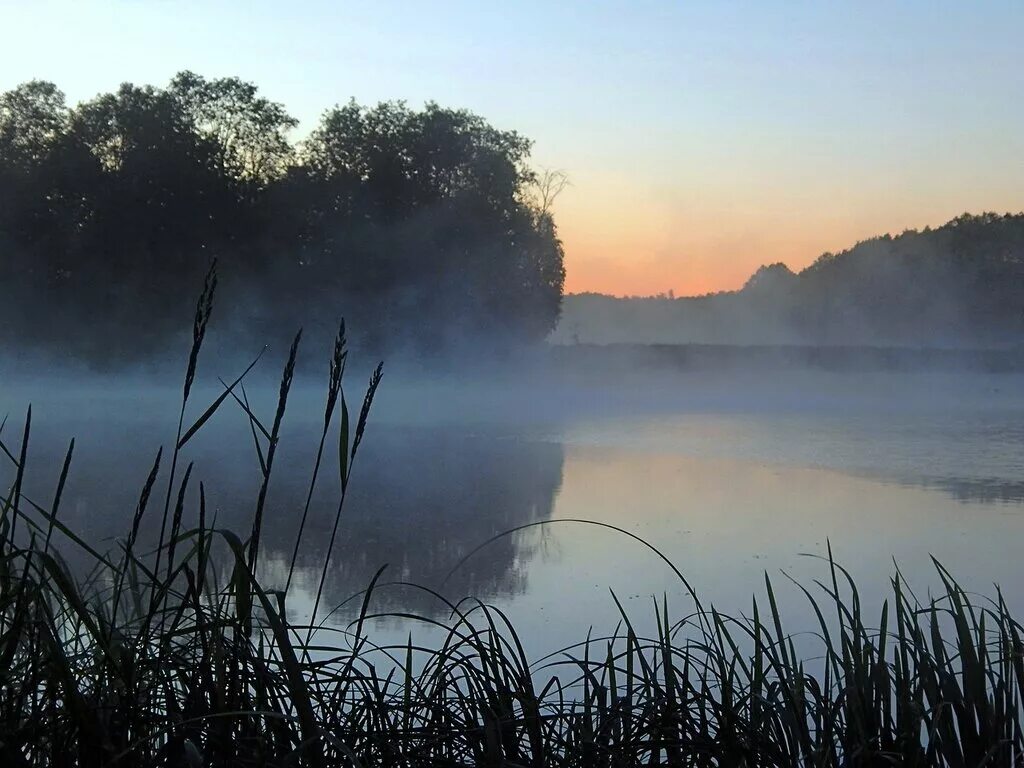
(729, 477)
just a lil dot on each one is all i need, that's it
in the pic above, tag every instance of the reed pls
(153, 658)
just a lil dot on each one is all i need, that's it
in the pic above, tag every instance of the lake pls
(729, 475)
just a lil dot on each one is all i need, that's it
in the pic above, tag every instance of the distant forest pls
(961, 284)
(425, 228)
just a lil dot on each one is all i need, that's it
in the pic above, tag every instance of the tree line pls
(960, 284)
(426, 227)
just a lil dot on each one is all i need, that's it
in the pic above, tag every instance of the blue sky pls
(702, 139)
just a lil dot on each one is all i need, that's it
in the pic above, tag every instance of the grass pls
(163, 657)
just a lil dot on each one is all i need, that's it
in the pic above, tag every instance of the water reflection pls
(969, 454)
(420, 500)
(725, 495)
(969, 490)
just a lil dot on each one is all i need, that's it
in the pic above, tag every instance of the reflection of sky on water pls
(726, 495)
(973, 455)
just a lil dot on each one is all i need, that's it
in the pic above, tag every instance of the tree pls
(36, 208)
(547, 186)
(423, 226)
(431, 213)
(33, 118)
(250, 133)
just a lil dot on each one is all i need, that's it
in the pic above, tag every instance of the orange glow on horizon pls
(700, 266)
(651, 251)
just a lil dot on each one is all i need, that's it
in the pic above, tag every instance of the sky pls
(702, 139)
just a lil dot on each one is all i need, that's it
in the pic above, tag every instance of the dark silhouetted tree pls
(424, 224)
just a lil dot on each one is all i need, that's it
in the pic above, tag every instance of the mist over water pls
(730, 474)
(874, 399)
(778, 523)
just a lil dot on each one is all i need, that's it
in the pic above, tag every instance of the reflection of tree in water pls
(984, 490)
(969, 490)
(420, 501)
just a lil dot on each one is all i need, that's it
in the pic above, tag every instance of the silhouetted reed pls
(138, 665)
